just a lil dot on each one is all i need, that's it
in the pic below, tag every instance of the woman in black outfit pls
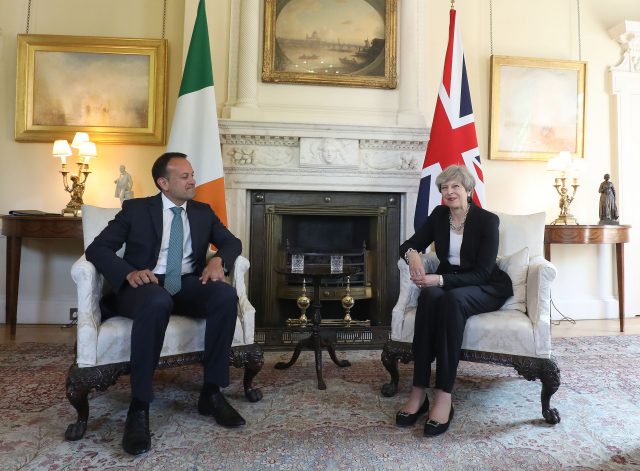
(467, 282)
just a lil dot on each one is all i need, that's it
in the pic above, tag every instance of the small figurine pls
(608, 209)
(124, 185)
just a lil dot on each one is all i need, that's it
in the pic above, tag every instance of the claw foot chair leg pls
(547, 371)
(392, 353)
(77, 392)
(550, 378)
(251, 358)
(80, 381)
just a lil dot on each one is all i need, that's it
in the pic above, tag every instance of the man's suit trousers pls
(150, 307)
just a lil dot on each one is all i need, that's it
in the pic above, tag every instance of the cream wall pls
(31, 179)
(544, 29)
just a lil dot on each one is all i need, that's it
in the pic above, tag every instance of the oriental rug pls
(350, 426)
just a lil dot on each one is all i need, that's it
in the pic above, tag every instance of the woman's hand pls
(417, 273)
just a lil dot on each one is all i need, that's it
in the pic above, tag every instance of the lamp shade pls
(79, 138)
(87, 151)
(61, 148)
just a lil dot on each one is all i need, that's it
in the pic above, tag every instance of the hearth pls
(362, 228)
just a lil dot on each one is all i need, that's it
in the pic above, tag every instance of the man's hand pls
(141, 277)
(213, 271)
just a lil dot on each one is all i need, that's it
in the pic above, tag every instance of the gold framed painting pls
(112, 88)
(537, 108)
(349, 43)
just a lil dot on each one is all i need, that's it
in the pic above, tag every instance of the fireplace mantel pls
(318, 157)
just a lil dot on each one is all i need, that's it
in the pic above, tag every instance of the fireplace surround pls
(365, 177)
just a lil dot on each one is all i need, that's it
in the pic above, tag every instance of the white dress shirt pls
(187, 250)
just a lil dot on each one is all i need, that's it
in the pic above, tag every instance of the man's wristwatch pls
(440, 281)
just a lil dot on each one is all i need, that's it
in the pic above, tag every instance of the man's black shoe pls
(217, 406)
(136, 439)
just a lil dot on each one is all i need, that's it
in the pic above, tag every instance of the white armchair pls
(517, 335)
(103, 348)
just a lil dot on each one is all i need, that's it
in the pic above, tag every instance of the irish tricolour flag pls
(195, 125)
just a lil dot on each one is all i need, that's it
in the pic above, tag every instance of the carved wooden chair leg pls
(77, 392)
(549, 374)
(251, 358)
(80, 381)
(550, 378)
(390, 358)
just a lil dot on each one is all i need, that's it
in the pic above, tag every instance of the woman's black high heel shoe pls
(404, 419)
(433, 428)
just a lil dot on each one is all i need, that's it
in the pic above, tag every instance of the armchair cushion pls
(516, 266)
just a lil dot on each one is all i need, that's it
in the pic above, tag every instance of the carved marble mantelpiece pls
(287, 156)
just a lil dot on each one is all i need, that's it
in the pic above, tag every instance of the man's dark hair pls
(159, 168)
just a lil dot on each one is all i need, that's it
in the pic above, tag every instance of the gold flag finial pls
(453, 4)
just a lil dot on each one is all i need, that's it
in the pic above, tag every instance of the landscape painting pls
(336, 42)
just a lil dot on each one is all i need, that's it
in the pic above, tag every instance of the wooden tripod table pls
(315, 341)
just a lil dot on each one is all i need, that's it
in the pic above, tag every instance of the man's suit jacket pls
(139, 226)
(477, 254)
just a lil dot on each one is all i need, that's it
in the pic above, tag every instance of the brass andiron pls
(347, 302)
(303, 303)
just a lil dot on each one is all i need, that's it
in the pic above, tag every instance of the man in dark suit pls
(164, 267)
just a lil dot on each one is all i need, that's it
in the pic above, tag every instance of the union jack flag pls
(453, 138)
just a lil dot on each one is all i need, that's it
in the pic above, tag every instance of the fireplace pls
(303, 182)
(362, 228)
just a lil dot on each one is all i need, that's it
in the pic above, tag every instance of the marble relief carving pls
(249, 156)
(385, 160)
(329, 152)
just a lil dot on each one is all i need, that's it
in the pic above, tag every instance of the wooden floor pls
(62, 335)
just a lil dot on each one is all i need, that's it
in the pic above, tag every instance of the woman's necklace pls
(459, 227)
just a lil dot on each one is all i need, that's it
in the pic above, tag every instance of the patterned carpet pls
(497, 426)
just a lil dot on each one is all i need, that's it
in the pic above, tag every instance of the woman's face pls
(454, 194)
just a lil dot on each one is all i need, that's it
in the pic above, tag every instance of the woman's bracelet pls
(406, 254)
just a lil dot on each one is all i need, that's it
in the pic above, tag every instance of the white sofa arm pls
(539, 280)
(246, 312)
(408, 296)
(89, 286)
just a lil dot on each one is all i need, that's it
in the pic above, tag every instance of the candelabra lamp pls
(565, 217)
(563, 164)
(74, 182)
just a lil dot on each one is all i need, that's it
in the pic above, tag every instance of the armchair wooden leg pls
(80, 381)
(392, 353)
(547, 371)
(550, 378)
(251, 358)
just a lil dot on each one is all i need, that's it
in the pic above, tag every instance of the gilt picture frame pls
(353, 45)
(112, 88)
(537, 108)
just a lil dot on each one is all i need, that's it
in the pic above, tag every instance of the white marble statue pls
(124, 185)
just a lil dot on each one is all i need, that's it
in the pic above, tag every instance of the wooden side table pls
(37, 227)
(315, 341)
(592, 234)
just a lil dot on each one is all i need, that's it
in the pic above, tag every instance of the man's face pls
(179, 185)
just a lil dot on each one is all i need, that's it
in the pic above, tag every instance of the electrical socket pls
(73, 313)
